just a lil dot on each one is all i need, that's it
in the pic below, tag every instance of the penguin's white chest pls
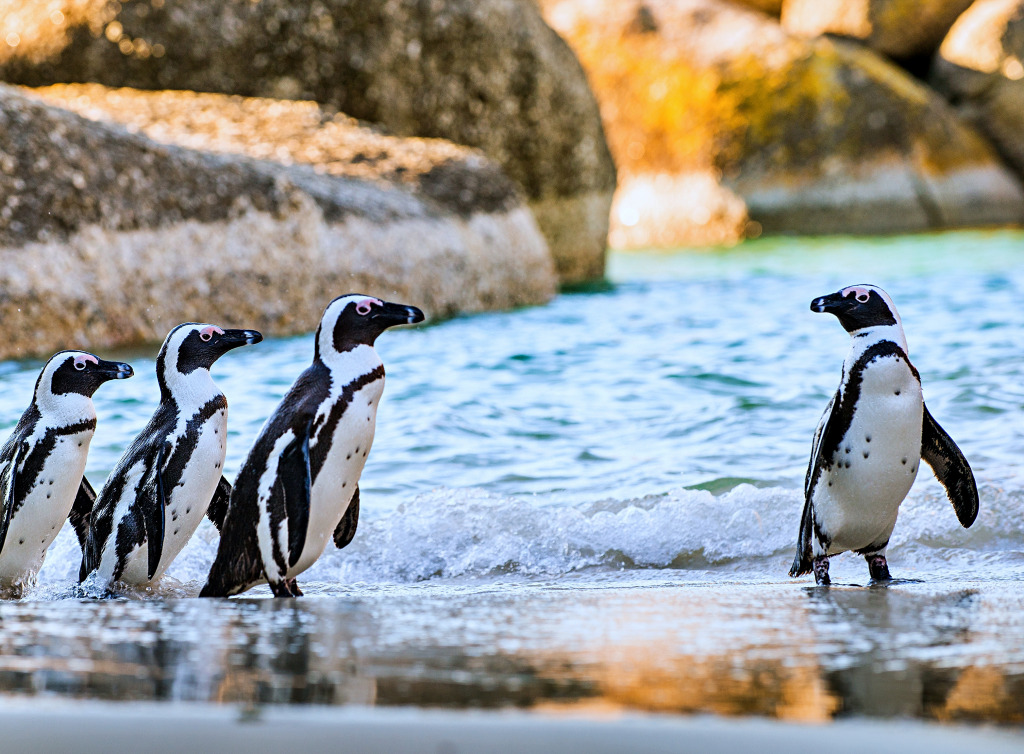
(188, 500)
(857, 500)
(45, 509)
(335, 484)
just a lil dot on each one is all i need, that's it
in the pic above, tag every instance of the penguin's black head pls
(859, 306)
(191, 346)
(355, 320)
(79, 372)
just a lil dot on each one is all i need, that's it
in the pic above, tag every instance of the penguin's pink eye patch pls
(206, 334)
(84, 358)
(365, 306)
(861, 294)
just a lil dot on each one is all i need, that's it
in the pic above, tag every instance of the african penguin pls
(171, 475)
(299, 484)
(870, 441)
(42, 464)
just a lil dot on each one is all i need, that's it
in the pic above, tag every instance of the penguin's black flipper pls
(951, 469)
(346, 529)
(9, 492)
(153, 516)
(219, 505)
(295, 482)
(81, 512)
(803, 562)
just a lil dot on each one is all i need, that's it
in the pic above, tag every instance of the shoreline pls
(86, 727)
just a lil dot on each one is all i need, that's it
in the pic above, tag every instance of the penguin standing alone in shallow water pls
(299, 484)
(870, 442)
(42, 465)
(171, 475)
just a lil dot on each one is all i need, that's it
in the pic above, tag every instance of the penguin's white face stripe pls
(68, 407)
(364, 305)
(863, 292)
(193, 390)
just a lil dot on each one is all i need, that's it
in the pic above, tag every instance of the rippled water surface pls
(595, 502)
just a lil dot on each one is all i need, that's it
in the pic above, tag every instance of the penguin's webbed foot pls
(878, 568)
(293, 587)
(820, 567)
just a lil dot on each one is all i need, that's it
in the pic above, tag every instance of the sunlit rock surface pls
(109, 238)
(980, 67)
(785, 134)
(485, 73)
(772, 7)
(897, 28)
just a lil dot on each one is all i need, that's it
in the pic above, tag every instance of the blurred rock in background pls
(900, 29)
(269, 210)
(724, 124)
(980, 68)
(484, 73)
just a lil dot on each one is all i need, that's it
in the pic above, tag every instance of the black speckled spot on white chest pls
(876, 461)
(343, 442)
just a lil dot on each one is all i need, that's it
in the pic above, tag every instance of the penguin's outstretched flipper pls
(951, 469)
(346, 528)
(219, 504)
(81, 513)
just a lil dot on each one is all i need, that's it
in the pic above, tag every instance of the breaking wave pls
(455, 534)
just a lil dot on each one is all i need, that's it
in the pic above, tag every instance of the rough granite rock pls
(797, 135)
(485, 73)
(980, 69)
(109, 238)
(897, 28)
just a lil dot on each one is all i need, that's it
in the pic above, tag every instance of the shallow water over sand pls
(595, 502)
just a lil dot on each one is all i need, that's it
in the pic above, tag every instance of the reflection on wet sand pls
(785, 652)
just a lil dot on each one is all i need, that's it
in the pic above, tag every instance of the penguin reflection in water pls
(171, 475)
(42, 465)
(870, 442)
(299, 485)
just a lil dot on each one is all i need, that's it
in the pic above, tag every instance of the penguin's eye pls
(863, 297)
(81, 361)
(205, 336)
(79, 365)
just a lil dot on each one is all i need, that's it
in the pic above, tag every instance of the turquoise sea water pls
(562, 497)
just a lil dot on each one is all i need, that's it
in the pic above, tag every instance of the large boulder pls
(109, 238)
(485, 73)
(805, 135)
(980, 68)
(897, 28)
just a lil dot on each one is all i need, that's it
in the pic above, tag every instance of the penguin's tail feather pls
(217, 584)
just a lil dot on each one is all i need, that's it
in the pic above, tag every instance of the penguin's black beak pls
(389, 315)
(114, 370)
(236, 338)
(833, 303)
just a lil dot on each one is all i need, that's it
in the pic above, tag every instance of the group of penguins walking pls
(299, 486)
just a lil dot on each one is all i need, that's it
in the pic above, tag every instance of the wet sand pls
(612, 644)
(99, 728)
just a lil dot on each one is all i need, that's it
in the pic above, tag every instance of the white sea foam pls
(447, 534)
